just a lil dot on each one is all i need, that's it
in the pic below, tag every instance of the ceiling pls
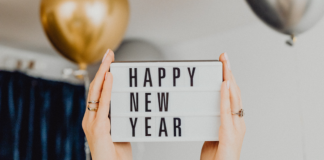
(163, 23)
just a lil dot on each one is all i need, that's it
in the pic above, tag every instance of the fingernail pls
(228, 83)
(105, 56)
(227, 60)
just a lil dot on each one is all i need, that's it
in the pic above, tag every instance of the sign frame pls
(158, 114)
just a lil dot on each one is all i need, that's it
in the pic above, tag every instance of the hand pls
(232, 129)
(96, 124)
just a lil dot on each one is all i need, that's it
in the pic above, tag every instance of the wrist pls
(228, 152)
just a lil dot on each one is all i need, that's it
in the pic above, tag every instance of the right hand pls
(232, 129)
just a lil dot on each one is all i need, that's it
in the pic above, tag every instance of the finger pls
(232, 79)
(85, 119)
(236, 105)
(96, 84)
(104, 67)
(226, 66)
(104, 104)
(227, 72)
(227, 69)
(235, 95)
(226, 115)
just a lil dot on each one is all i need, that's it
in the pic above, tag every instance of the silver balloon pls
(138, 50)
(290, 17)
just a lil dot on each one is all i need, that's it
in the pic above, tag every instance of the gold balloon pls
(82, 30)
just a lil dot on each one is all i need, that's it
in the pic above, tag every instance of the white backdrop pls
(282, 90)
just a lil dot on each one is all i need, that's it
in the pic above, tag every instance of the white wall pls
(282, 90)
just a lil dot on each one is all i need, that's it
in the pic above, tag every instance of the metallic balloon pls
(82, 30)
(290, 17)
(138, 50)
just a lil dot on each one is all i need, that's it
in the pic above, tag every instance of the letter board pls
(166, 101)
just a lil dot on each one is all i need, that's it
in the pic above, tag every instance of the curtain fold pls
(40, 119)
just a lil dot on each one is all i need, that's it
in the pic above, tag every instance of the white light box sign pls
(166, 101)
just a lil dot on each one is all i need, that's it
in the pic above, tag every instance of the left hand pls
(96, 124)
(232, 129)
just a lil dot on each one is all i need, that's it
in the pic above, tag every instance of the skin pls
(96, 125)
(232, 129)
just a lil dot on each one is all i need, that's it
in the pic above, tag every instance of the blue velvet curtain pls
(40, 119)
